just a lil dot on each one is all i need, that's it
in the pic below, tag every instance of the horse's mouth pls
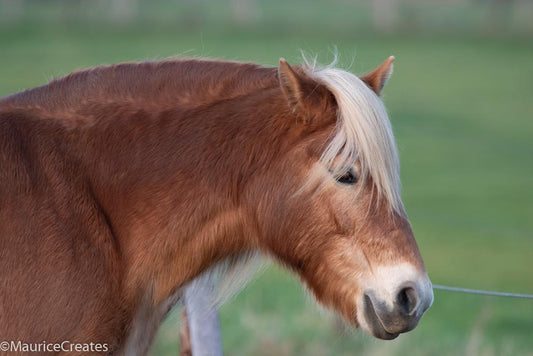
(374, 322)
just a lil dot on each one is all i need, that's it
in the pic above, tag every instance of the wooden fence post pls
(200, 328)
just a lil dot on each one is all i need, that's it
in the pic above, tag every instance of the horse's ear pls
(304, 95)
(291, 84)
(378, 77)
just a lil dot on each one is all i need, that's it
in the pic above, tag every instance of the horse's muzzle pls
(388, 321)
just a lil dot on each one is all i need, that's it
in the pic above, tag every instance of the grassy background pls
(462, 111)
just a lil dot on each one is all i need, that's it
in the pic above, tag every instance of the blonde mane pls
(363, 134)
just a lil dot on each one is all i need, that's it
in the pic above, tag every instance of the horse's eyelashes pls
(347, 178)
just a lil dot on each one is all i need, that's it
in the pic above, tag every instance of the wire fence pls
(482, 292)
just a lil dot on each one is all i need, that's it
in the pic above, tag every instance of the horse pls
(121, 184)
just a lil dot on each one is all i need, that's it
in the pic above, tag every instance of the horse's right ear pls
(377, 79)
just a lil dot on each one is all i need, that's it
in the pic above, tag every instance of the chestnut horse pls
(121, 184)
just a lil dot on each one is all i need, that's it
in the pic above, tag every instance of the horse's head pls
(335, 215)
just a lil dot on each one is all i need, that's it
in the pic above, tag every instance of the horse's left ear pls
(305, 97)
(378, 77)
(292, 85)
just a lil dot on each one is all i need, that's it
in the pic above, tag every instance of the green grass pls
(463, 116)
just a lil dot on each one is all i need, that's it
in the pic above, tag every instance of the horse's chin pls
(378, 331)
(371, 323)
(385, 335)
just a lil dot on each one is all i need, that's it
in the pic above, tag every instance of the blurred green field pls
(462, 110)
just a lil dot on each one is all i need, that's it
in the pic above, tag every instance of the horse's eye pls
(347, 178)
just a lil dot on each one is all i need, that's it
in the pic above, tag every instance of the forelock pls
(363, 134)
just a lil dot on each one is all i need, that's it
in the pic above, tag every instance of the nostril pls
(408, 300)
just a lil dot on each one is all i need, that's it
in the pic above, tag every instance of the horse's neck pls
(171, 185)
(155, 85)
(169, 178)
(166, 202)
